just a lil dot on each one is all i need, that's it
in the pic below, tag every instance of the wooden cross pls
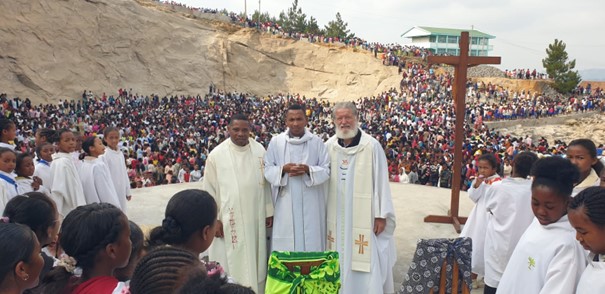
(330, 240)
(362, 243)
(461, 64)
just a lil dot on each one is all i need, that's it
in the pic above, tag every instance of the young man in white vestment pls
(297, 166)
(234, 177)
(361, 218)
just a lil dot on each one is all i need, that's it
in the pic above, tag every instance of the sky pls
(523, 28)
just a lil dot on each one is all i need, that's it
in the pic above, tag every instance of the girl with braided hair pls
(189, 223)
(587, 216)
(547, 258)
(164, 269)
(95, 175)
(96, 239)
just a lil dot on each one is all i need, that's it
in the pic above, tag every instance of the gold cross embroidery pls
(330, 240)
(361, 242)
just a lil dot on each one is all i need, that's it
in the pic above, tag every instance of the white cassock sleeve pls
(383, 203)
(273, 166)
(319, 172)
(209, 183)
(476, 193)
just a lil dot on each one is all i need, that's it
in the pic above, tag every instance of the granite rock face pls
(56, 49)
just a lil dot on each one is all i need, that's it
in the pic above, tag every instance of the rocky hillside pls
(55, 49)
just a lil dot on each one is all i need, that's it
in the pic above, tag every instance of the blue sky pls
(523, 28)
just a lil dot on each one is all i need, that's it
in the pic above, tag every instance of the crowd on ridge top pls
(391, 54)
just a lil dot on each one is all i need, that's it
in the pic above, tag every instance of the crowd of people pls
(99, 250)
(167, 139)
(525, 74)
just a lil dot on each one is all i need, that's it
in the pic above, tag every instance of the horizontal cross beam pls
(470, 61)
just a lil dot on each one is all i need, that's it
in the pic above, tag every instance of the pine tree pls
(313, 27)
(264, 17)
(338, 28)
(559, 69)
(294, 20)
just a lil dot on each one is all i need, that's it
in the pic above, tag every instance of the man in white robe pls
(297, 166)
(234, 177)
(361, 218)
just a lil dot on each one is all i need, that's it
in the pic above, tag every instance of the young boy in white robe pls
(508, 216)
(8, 186)
(587, 216)
(66, 189)
(114, 158)
(44, 154)
(547, 258)
(583, 154)
(26, 181)
(477, 220)
(95, 176)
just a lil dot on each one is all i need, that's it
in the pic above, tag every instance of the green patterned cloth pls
(323, 278)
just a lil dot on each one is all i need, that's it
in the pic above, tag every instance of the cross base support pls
(447, 219)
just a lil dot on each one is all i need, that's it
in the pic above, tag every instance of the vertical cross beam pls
(461, 64)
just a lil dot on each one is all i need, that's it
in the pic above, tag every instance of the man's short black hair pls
(296, 107)
(238, 116)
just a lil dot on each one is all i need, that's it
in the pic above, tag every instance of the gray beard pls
(350, 135)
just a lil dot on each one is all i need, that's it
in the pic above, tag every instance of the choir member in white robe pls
(592, 280)
(114, 158)
(96, 182)
(25, 181)
(66, 189)
(297, 166)
(8, 158)
(9, 184)
(583, 154)
(25, 185)
(547, 258)
(587, 216)
(42, 161)
(509, 215)
(476, 223)
(43, 172)
(361, 218)
(8, 133)
(234, 177)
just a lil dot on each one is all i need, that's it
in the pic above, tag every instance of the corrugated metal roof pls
(456, 32)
